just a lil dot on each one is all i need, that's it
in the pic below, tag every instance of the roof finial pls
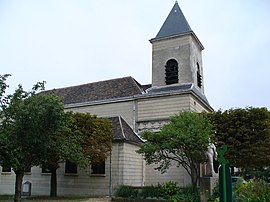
(176, 2)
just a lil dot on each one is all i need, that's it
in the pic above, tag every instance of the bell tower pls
(176, 53)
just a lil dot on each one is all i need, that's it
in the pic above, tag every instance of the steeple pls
(175, 23)
(176, 53)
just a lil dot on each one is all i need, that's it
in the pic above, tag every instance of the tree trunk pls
(194, 178)
(53, 192)
(18, 186)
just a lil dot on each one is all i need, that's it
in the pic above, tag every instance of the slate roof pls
(177, 89)
(175, 24)
(102, 90)
(127, 87)
(123, 132)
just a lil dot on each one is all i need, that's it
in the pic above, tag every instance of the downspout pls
(110, 177)
(135, 128)
(143, 170)
(134, 115)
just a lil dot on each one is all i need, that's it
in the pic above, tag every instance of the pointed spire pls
(175, 23)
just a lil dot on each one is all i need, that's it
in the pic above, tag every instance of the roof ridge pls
(100, 90)
(90, 83)
(138, 84)
(121, 125)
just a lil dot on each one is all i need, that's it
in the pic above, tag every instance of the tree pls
(65, 145)
(183, 140)
(96, 136)
(88, 141)
(247, 134)
(30, 122)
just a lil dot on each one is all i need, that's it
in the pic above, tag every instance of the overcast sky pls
(72, 42)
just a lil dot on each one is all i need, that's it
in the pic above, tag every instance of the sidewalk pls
(105, 199)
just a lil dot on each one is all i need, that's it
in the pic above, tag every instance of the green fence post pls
(225, 184)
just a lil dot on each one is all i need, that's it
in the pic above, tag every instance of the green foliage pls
(258, 173)
(126, 192)
(189, 194)
(169, 191)
(183, 140)
(35, 130)
(190, 197)
(247, 134)
(88, 141)
(5, 197)
(151, 192)
(170, 188)
(215, 194)
(253, 190)
(95, 136)
(185, 197)
(31, 122)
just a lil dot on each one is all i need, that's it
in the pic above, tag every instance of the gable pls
(123, 132)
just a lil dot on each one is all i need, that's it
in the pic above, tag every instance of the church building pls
(177, 85)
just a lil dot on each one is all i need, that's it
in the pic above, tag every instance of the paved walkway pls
(106, 199)
(98, 200)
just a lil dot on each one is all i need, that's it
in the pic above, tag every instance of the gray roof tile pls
(123, 132)
(182, 88)
(175, 24)
(102, 90)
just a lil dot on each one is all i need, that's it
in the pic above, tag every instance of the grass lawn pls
(5, 197)
(36, 198)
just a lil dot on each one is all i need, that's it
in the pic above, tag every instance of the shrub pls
(254, 190)
(126, 192)
(186, 194)
(215, 193)
(170, 188)
(185, 197)
(151, 192)
(190, 195)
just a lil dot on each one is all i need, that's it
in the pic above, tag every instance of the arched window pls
(199, 76)
(171, 72)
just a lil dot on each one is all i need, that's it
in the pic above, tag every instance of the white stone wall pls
(178, 48)
(162, 107)
(126, 168)
(197, 106)
(125, 109)
(134, 167)
(68, 184)
(196, 57)
(174, 173)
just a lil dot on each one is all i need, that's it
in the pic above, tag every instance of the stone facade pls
(124, 166)
(185, 50)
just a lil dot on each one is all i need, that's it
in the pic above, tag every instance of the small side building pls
(123, 166)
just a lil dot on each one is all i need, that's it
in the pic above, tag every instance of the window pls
(171, 72)
(46, 169)
(98, 169)
(199, 76)
(6, 169)
(70, 168)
